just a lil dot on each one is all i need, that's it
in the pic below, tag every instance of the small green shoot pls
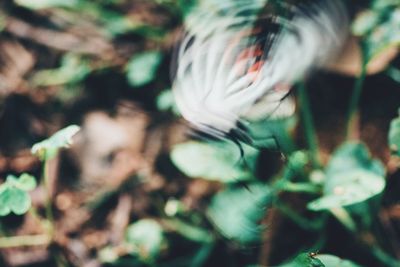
(48, 148)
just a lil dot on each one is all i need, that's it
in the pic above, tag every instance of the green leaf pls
(142, 68)
(350, 156)
(166, 102)
(378, 27)
(73, 69)
(394, 136)
(333, 261)
(237, 211)
(146, 237)
(273, 133)
(48, 148)
(304, 260)
(187, 6)
(13, 194)
(17, 200)
(351, 177)
(41, 4)
(27, 182)
(213, 161)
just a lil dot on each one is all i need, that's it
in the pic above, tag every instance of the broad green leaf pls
(48, 148)
(142, 68)
(394, 136)
(351, 177)
(214, 161)
(350, 156)
(273, 133)
(333, 261)
(237, 211)
(147, 238)
(352, 187)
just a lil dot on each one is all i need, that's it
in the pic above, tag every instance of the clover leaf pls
(13, 194)
(47, 149)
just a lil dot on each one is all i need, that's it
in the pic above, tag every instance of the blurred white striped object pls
(238, 59)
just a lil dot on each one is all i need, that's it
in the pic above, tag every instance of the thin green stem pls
(355, 97)
(344, 218)
(385, 258)
(48, 204)
(308, 124)
(347, 221)
(300, 187)
(298, 219)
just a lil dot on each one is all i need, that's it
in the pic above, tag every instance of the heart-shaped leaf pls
(351, 177)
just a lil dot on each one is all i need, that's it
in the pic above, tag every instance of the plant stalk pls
(355, 97)
(48, 204)
(308, 124)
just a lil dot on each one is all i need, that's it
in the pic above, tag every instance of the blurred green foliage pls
(394, 136)
(142, 68)
(14, 197)
(351, 177)
(146, 237)
(345, 188)
(215, 161)
(378, 27)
